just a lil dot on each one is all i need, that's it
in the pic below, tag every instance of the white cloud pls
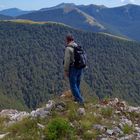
(128, 1)
(2, 6)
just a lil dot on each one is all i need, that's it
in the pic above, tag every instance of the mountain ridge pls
(13, 12)
(67, 15)
(3, 17)
(123, 21)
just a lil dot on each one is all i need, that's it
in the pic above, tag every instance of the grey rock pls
(133, 109)
(104, 139)
(100, 128)
(125, 121)
(81, 111)
(136, 125)
(14, 115)
(138, 136)
(117, 131)
(60, 108)
(60, 104)
(8, 112)
(137, 129)
(40, 112)
(50, 105)
(128, 137)
(4, 135)
(120, 125)
(19, 116)
(114, 102)
(40, 126)
(109, 132)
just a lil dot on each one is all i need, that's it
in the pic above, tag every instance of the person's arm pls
(66, 62)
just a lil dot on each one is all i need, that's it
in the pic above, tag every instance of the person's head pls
(69, 38)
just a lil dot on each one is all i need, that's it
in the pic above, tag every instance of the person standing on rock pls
(72, 69)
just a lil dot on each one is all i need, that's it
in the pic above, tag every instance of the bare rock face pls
(8, 112)
(14, 115)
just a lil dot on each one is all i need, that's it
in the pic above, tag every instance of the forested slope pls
(31, 68)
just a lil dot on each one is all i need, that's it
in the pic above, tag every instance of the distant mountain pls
(31, 64)
(3, 17)
(60, 6)
(13, 12)
(123, 20)
(68, 14)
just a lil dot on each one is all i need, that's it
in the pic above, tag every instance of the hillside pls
(111, 119)
(31, 64)
(2, 17)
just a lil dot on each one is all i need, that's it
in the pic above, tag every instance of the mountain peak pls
(61, 5)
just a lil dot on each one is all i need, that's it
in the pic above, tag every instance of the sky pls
(38, 4)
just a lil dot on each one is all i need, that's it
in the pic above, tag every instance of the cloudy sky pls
(37, 4)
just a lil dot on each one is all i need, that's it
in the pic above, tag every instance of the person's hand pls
(66, 74)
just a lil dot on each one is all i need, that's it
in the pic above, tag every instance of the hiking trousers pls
(75, 79)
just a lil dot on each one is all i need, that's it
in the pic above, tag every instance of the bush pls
(57, 129)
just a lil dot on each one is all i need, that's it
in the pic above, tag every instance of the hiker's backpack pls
(80, 57)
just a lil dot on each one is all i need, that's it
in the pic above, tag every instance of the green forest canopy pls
(31, 64)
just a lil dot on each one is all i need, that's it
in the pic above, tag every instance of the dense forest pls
(31, 64)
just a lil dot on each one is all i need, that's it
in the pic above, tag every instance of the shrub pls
(127, 129)
(57, 129)
(107, 112)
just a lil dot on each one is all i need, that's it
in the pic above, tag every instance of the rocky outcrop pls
(128, 117)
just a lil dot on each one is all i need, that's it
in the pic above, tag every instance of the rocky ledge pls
(110, 119)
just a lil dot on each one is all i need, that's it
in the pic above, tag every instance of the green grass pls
(128, 129)
(90, 135)
(107, 112)
(25, 129)
(3, 120)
